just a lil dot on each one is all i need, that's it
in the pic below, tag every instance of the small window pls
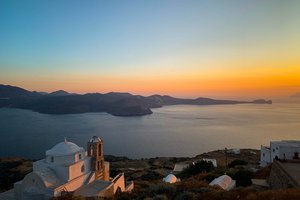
(82, 168)
(33, 180)
(52, 159)
(273, 150)
(79, 156)
(263, 154)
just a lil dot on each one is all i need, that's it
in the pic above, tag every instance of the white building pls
(235, 151)
(179, 167)
(285, 150)
(225, 182)
(69, 168)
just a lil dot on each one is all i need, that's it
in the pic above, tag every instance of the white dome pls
(95, 139)
(171, 178)
(63, 148)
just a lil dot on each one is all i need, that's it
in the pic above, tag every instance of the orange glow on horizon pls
(253, 82)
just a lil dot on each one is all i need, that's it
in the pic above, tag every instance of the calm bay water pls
(180, 130)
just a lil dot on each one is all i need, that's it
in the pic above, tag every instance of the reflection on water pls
(181, 130)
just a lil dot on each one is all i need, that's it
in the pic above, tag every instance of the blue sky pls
(65, 39)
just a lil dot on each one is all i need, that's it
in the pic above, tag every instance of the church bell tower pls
(95, 150)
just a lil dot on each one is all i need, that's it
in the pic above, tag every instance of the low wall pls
(279, 178)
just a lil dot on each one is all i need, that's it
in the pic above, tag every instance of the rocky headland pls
(114, 103)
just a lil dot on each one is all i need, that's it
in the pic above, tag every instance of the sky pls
(213, 48)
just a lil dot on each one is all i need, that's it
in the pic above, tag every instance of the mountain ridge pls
(115, 103)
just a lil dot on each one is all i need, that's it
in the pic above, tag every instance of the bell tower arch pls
(95, 150)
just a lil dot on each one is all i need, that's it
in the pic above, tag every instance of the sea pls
(179, 130)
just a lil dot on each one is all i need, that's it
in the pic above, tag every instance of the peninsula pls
(114, 103)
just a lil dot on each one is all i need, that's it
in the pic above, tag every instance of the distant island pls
(114, 103)
(296, 95)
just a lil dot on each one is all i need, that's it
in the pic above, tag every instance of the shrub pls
(160, 197)
(242, 177)
(196, 168)
(211, 176)
(162, 188)
(151, 175)
(186, 196)
(237, 162)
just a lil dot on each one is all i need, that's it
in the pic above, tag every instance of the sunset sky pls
(213, 48)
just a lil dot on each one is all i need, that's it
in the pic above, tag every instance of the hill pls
(147, 175)
(118, 104)
(60, 93)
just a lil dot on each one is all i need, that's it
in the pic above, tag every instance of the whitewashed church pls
(69, 168)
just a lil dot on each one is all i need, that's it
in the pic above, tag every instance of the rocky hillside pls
(13, 170)
(148, 173)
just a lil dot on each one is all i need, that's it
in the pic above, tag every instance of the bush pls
(242, 177)
(237, 162)
(211, 176)
(160, 197)
(162, 188)
(196, 168)
(151, 175)
(185, 195)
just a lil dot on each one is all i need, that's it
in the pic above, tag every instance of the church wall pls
(62, 172)
(18, 190)
(75, 169)
(80, 156)
(66, 159)
(106, 174)
(31, 185)
(39, 165)
(129, 187)
(119, 182)
(108, 192)
(33, 180)
(61, 160)
(72, 185)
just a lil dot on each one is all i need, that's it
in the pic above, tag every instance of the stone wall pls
(279, 177)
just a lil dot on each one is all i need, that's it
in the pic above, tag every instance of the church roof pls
(64, 148)
(49, 177)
